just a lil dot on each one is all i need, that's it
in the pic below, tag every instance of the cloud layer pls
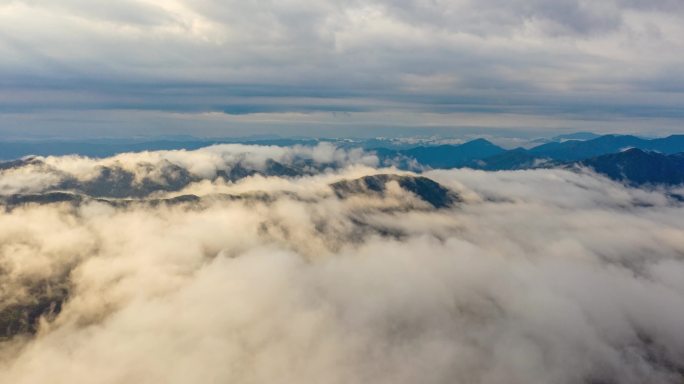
(531, 64)
(531, 277)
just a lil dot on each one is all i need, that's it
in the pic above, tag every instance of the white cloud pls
(537, 276)
(41, 174)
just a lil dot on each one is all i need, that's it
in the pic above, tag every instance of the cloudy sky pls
(88, 68)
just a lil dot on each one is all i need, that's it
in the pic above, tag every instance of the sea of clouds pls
(539, 276)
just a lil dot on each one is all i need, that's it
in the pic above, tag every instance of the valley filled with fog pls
(314, 264)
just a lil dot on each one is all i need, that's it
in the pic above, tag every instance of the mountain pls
(439, 156)
(637, 167)
(582, 136)
(668, 145)
(426, 189)
(630, 159)
(576, 136)
(451, 156)
(575, 150)
(45, 303)
(518, 158)
(482, 154)
(115, 181)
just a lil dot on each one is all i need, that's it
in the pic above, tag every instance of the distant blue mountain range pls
(638, 167)
(574, 150)
(626, 158)
(629, 159)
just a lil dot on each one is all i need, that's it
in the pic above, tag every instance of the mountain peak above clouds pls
(635, 166)
(425, 189)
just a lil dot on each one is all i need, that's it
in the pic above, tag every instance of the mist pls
(537, 276)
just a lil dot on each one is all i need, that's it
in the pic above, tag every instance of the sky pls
(96, 68)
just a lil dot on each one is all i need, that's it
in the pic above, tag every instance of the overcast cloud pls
(279, 65)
